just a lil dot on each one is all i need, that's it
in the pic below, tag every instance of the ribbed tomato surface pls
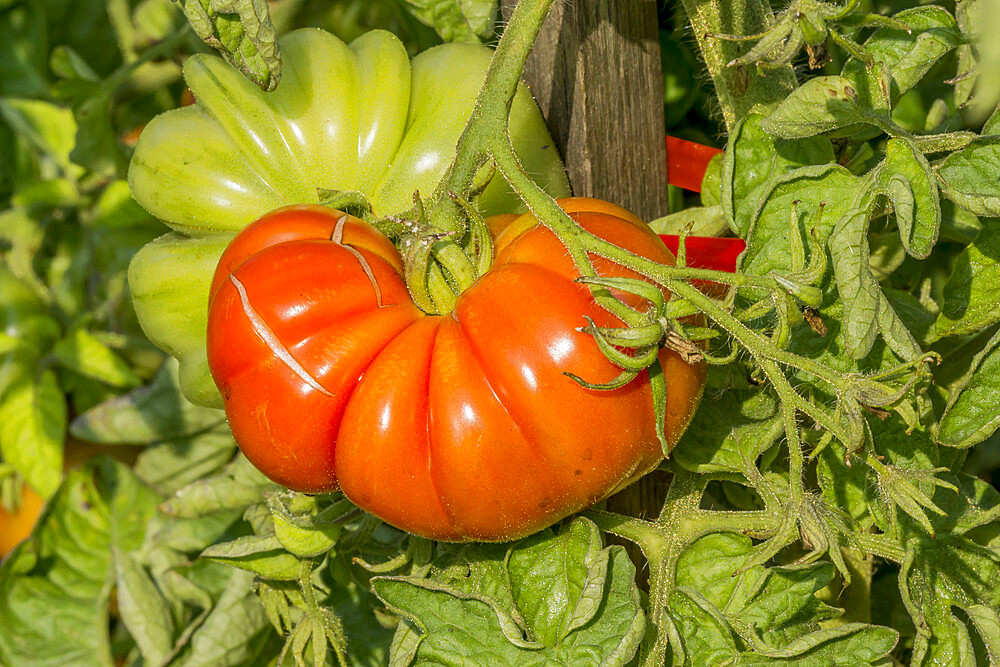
(460, 426)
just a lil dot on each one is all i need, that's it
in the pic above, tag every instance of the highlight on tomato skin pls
(457, 427)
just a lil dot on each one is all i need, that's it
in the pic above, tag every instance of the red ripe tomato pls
(456, 427)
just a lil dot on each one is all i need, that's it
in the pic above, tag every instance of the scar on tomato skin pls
(280, 351)
(338, 238)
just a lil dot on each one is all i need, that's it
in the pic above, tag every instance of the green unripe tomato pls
(344, 117)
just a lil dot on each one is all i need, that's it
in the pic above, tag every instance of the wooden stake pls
(595, 73)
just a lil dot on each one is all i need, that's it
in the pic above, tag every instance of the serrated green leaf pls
(987, 624)
(149, 414)
(848, 644)
(368, 636)
(754, 160)
(261, 554)
(172, 465)
(704, 633)
(971, 177)
(937, 575)
(50, 128)
(992, 125)
(558, 581)
(57, 614)
(192, 536)
(142, 608)
(242, 32)
(867, 311)
(728, 436)
(819, 105)
(709, 566)
(909, 181)
(972, 293)
(457, 21)
(975, 503)
(32, 429)
(777, 607)
(971, 415)
(806, 190)
(82, 352)
(907, 55)
(843, 486)
(212, 494)
(236, 631)
(459, 626)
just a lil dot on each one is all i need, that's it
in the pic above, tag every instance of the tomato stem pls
(490, 118)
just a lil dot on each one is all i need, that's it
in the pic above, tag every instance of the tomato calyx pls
(440, 263)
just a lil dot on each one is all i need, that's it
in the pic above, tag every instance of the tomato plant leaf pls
(242, 32)
(32, 429)
(599, 618)
(704, 221)
(806, 190)
(971, 415)
(971, 177)
(174, 464)
(153, 413)
(216, 493)
(992, 125)
(235, 631)
(867, 311)
(67, 570)
(462, 21)
(83, 353)
(704, 635)
(720, 609)
(555, 589)
(729, 436)
(263, 555)
(142, 608)
(50, 128)
(819, 105)
(974, 504)
(908, 55)
(972, 293)
(907, 178)
(841, 485)
(938, 576)
(754, 160)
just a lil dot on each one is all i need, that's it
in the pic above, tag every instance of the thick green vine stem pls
(459, 255)
(739, 89)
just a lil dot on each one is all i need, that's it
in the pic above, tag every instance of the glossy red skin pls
(454, 427)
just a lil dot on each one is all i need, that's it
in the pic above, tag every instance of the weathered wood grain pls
(595, 72)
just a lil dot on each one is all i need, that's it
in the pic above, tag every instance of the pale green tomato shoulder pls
(344, 117)
(359, 117)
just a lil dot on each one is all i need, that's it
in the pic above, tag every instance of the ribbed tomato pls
(460, 426)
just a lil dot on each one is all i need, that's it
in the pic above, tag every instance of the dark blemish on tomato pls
(545, 503)
(587, 454)
(577, 472)
(227, 391)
